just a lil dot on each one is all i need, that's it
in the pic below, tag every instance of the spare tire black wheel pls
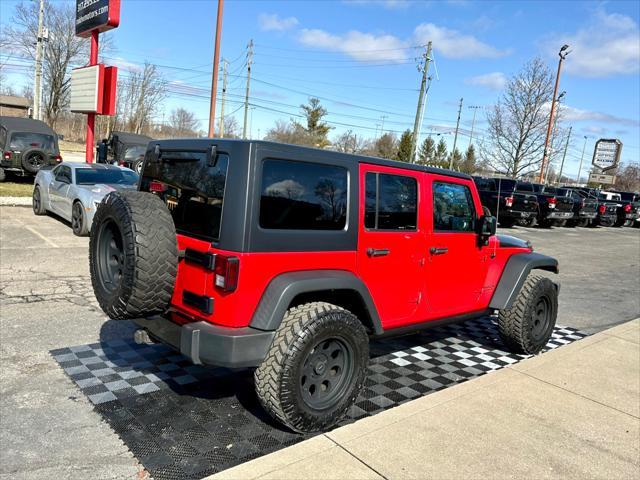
(33, 159)
(133, 256)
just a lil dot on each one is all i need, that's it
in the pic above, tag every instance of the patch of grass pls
(66, 146)
(11, 189)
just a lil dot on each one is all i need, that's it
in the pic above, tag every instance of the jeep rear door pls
(391, 241)
(457, 265)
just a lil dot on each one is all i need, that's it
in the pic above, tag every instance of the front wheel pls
(315, 368)
(527, 326)
(79, 220)
(36, 202)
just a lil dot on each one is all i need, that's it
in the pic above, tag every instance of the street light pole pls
(584, 147)
(216, 62)
(563, 54)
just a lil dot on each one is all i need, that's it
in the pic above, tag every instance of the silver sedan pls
(73, 190)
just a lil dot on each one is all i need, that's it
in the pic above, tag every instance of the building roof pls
(18, 124)
(13, 101)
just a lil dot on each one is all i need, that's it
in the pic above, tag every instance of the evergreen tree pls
(468, 164)
(386, 146)
(440, 157)
(404, 147)
(455, 160)
(316, 130)
(427, 150)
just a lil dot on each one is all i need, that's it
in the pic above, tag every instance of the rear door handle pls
(377, 252)
(438, 250)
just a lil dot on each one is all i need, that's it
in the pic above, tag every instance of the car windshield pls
(135, 152)
(90, 176)
(24, 140)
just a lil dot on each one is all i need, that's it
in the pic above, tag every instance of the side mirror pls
(487, 226)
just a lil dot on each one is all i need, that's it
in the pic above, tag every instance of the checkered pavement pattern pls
(184, 421)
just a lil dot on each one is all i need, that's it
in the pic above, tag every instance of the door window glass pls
(63, 174)
(453, 208)
(391, 202)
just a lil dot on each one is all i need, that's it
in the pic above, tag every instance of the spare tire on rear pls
(133, 256)
(33, 159)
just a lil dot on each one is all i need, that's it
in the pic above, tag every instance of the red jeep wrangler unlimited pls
(288, 259)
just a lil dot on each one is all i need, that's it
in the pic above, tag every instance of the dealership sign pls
(93, 89)
(606, 154)
(100, 15)
(602, 179)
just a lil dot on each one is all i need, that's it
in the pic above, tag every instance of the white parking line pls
(35, 232)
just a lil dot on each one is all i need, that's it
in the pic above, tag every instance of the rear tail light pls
(226, 272)
(508, 201)
(58, 158)
(7, 155)
(627, 208)
(602, 209)
(583, 203)
(552, 202)
(156, 186)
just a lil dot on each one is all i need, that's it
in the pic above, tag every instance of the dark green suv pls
(27, 145)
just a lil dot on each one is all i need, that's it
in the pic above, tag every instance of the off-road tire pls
(138, 279)
(279, 378)
(507, 222)
(137, 166)
(79, 220)
(3, 175)
(583, 222)
(529, 222)
(36, 201)
(517, 325)
(31, 154)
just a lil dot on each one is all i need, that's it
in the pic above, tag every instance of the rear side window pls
(453, 208)
(486, 184)
(63, 174)
(391, 202)
(303, 196)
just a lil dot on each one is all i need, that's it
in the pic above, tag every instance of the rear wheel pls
(527, 326)
(315, 368)
(33, 160)
(559, 223)
(529, 222)
(36, 202)
(78, 220)
(545, 223)
(3, 175)
(133, 256)
(137, 166)
(507, 222)
(583, 222)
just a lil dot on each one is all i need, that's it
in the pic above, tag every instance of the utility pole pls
(225, 66)
(246, 95)
(545, 155)
(216, 62)
(37, 88)
(455, 138)
(383, 117)
(566, 145)
(423, 84)
(473, 122)
(584, 147)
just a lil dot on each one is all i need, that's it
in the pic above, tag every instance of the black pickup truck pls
(505, 202)
(628, 212)
(607, 210)
(585, 208)
(553, 209)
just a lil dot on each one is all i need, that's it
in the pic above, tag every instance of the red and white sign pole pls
(91, 116)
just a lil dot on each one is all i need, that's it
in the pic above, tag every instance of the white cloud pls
(572, 114)
(271, 22)
(365, 47)
(453, 44)
(494, 80)
(126, 65)
(608, 45)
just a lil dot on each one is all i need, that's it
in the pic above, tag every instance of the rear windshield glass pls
(24, 140)
(505, 184)
(525, 187)
(192, 189)
(89, 176)
(629, 197)
(135, 152)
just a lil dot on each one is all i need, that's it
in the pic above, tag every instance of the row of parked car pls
(524, 203)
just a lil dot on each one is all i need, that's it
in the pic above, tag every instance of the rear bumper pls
(560, 215)
(207, 344)
(517, 214)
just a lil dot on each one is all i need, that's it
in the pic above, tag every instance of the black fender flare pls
(514, 275)
(285, 287)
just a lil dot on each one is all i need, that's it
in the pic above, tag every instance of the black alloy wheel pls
(326, 373)
(36, 160)
(111, 256)
(77, 219)
(541, 318)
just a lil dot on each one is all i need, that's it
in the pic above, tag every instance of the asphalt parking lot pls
(49, 429)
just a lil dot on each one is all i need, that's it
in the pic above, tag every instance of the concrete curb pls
(15, 201)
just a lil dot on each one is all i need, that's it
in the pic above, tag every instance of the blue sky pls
(359, 57)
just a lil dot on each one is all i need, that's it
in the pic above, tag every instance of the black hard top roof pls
(204, 142)
(132, 138)
(18, 124)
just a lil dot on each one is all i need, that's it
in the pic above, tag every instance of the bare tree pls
(517, 123)
(284, 132)
(349, 142)
(183, 123)
(628, 178)
(231, 127)
(62, 51)
(141, 95)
